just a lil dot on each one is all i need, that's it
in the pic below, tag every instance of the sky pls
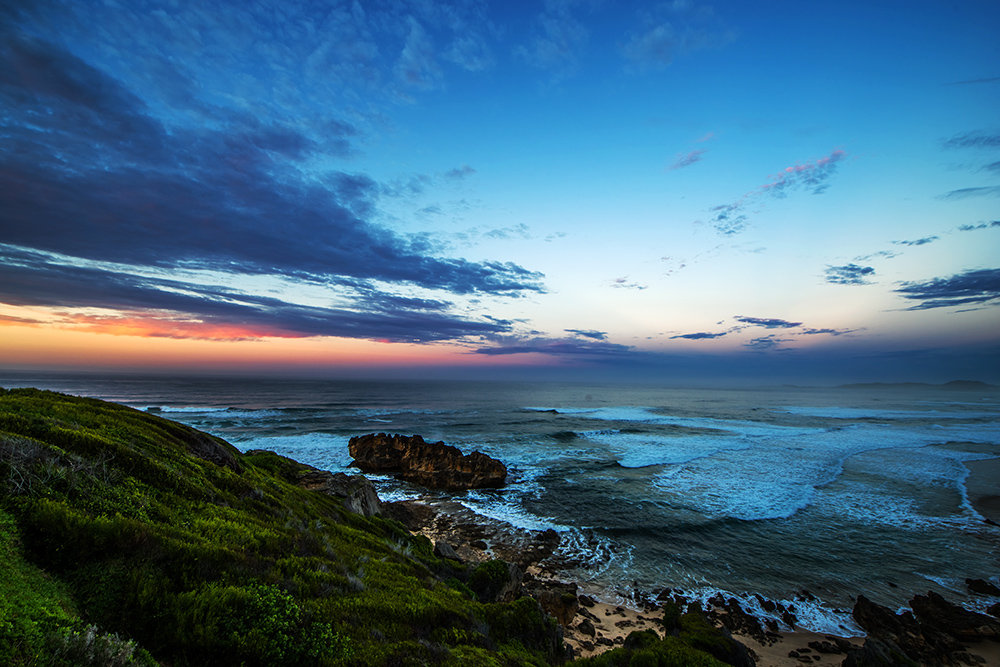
(671, 192)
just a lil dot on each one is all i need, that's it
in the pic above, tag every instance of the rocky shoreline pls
(936, 631)
(933, 632)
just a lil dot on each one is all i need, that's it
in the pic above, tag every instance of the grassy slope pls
(119, 519)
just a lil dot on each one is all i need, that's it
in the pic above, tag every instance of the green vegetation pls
(647, 649)
(128, 539)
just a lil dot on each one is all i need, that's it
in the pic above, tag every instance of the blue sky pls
(659, 191)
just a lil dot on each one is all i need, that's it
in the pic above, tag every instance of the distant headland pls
(954, 385)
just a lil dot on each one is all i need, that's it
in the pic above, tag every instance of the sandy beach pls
(983, 485)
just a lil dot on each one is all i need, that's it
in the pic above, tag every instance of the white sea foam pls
(873, 413)
(214, 412)
(495, 505)
(639, 450)
(778, 475)
(322, 450)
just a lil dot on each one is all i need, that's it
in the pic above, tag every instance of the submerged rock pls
(982, 587)
(431, 464)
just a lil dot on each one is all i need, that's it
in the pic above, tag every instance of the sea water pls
(769, 491)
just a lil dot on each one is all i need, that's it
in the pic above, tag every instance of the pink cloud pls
(811, 176)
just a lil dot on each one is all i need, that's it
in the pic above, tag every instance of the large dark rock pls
(982, 587)
(931, 636)
(210, 449)
(934, 612)
(357, 492)
(557, 599)
(431, 464)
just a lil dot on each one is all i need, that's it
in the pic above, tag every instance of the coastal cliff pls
(129, 539)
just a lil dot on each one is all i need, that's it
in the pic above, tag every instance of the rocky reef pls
(936, 633)
(431, 464)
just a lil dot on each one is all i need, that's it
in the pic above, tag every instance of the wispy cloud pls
(417, 65)
(672, 29)
(980, 287)
(812, 177)
(625, 283)
(687, 159)
(771, 342)
(923, 241)
(460, 173)
(767, 322)
(849, 274)
(558, 38)
(982, 225)
(830, 332)
(589, 333)
(557, 347)
(979, 139)
(699, 336)
(966, 193)
(185, 308)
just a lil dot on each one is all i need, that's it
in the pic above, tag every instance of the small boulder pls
(357, 492)
(445, 550)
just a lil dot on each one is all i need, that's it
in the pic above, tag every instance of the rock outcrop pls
(431, 464)
(557, 598)
(357, 492)
(932, 635)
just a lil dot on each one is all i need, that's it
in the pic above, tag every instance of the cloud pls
(831, 332)
(980, 286)
(588, 333)
(520, 231)
(973, 140)
(881, 254)
(471, 53)
(557, 347)
(558, 38)
(993, 166)
(849, 274)
(688, 159)
(460, 173)
(923, 241)
(699, 336)
(624, 283)
(981, 225)
(88, 173)
(767, 323)
(770, 342)
(966, 193)
(677, 28)
(813, 177)
(42, 280)
(417, 66)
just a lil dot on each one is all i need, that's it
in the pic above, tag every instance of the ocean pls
(767, 491)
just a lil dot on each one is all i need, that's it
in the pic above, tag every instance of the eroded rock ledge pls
(431, 464)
